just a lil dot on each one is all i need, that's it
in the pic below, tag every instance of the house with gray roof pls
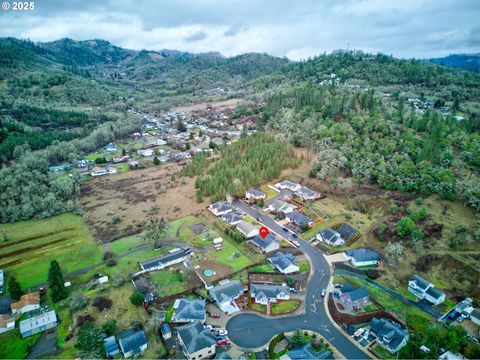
(267, 293)
(307, 194)
(196, 341)
(38, 323)
(299, 219)
(132, 342)
(330, 237)
(232, 218)
(188, 310)
(279, 206)
(284, 262)
(424, 289)
(254, 195)
(362, 257)
(267, 244)
(110, 346)
(306, 352)
(225, 295)
(286, 184)
(391, 336)
(247, 229)
(220, 208)
(173, 257)
(354, 299)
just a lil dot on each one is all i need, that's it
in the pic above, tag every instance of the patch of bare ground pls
(135, 197)
(218, 105)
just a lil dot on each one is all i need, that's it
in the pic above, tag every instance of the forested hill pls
(462, 61)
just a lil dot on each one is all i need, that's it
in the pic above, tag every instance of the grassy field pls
(34, 244)
(269, 192)
(168, 282)
(285, 307)
(258, 307)
(266, 268)
(12, 346)
(304, 265)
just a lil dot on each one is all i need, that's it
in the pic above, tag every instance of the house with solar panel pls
(424, 289)
(284, 263)
(188, 310)
(196, 341)
(132, 342)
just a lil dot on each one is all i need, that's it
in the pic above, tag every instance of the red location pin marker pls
(263, 232)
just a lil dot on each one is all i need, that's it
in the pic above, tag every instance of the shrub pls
(109, 327)
(394, 209)
(77, 301)
(83, 319)
(107, 255)
(118, 280)
(419, 201)
(111, 262)
(404, 227)
(102, 303)
(373, 273)
(137, 298)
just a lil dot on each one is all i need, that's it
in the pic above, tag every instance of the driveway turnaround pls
(251, 331)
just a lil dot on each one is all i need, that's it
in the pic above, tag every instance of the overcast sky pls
(297, 29)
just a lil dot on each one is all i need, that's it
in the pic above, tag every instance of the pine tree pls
(14, 289)
(56, 282)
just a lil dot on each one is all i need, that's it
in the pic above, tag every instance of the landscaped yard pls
(304, 265)
(285, 307)
(269, 192)
(33, 244)
(264, 268)
(258, 307)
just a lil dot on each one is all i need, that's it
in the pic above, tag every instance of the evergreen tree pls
(89, 344)
(56, 282)
(14, 289)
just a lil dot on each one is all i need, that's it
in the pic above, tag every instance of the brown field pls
(136, 196)
(218, 105)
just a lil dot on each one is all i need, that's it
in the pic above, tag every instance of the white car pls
(209, 327)
(295, 243)
(323, 292)
(222, 332)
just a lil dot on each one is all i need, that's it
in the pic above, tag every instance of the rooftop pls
(195, 337)
(282, 260)
(132, 340)
(264, 243)
(27, 299)
(164, 259)
(35, 322)
(189, 309)
(361, 255)
(227, 291)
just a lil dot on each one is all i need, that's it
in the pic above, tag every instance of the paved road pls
(422, 305)
(254, 331)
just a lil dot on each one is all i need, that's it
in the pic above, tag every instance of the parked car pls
(295, 243)
(284, 229)
(323, 292)
(222, 332)
(259, 218)
(215, 315)
(222, 342)
(219, 337)
(209, 327)
(338, 285)
(292, 289)
(294, 235)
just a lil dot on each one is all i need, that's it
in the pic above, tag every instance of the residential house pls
(330, 237)
(132, 342)
(267, 244)
(196, 341)
(7, 323)
(279, 206)
(28, 302)
(354, 300)
(475, 316)
(145, 152)
(174, 256)
(110, 148)
(110, 346)
(424, 289)
(225, 295)
(188, 310)
(100, 171)
(452, 355)
(391, 336)
(38, 323)
(232, 218)
(299, 219)
(288, 185)
(307, 194)
(307, 352)
(166, 331)
(346, 231)
(266, 293)
(247, 229)
(362, 257)
(220, 208)
(254, 195)
(284, 262)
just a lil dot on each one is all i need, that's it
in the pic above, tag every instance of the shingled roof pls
(195, 337)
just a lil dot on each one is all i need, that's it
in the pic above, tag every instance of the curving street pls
(250, 331)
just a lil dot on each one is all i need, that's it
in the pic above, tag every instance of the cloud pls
(407, 28)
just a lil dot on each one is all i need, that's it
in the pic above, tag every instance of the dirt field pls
(219, 105)
(136, 196)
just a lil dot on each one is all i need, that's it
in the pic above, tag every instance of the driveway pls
(45, 345)
(251, 331)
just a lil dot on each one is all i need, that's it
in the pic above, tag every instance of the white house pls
(7, 323)
(280, 206)
(288, 185)
(247, 229)
(362, 257)
(38, 323)
(284, 262)
(27, 303)
(254, 195)
(424, 289)
(330, 237)
(145, 152)
(174, 256)
(225, 295)
(196, 341)
(220, 208)
(307, 194)
(266, 293)
(267, 244)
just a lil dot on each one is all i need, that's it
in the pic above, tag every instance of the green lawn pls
(33, 244)
(266, 268)
(12, 346)
(122, 168)
(285, 307)
(304, 265)
(258, 307)
(269, 192)
(168, 282)
(370, 307)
